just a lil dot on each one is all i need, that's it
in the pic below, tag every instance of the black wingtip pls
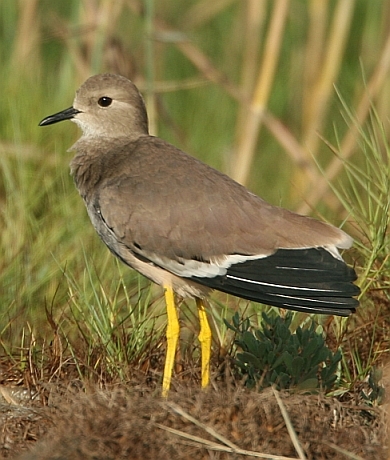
(308, 280)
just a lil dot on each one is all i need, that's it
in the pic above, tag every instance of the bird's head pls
(106, 105)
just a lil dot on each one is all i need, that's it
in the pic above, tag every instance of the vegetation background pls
(289, 97)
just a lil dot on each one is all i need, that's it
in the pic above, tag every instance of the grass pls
(247, 87)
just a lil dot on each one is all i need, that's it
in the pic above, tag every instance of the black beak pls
(66, 114)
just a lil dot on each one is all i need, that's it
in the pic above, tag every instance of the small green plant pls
(374, 395)
(276, 356)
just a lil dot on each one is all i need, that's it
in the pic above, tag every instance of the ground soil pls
(74, 422)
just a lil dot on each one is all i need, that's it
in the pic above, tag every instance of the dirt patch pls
(190, 424)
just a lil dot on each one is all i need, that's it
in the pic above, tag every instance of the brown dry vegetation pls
(196, 424)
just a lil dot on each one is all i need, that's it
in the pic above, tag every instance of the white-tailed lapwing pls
(190, 228)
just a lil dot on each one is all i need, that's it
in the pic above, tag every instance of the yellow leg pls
(205, 342)
(173, 330)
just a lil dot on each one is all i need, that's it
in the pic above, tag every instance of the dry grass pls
(195, 424)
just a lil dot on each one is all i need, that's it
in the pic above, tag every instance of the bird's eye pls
(104, 101)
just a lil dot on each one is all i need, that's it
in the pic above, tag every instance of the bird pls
(190, 228)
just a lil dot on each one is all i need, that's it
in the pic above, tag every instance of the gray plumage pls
(184, 224)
